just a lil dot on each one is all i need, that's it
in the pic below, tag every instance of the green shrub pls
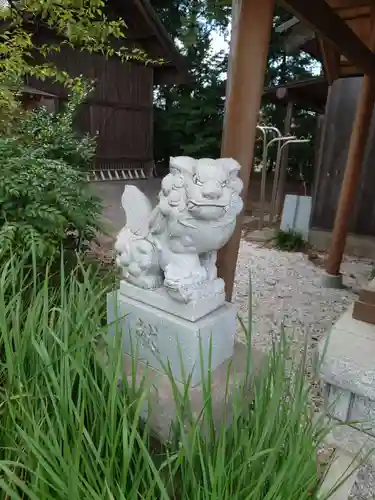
(68, 431)
(55, 136)
(290, 241)
(44, 195)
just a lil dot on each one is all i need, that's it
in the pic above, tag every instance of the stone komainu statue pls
(175, 244)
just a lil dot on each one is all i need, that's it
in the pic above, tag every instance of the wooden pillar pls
(248, 58)
(352, 174)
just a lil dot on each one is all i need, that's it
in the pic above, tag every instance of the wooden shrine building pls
(345, 35)
(120, 109)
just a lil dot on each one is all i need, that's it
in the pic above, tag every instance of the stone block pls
(338, 402)
(230, 380)
(192, 311)
(362, 412)
(158, 338)
(347, 356)
(359, 444)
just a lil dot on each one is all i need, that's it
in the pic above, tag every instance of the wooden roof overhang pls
(308, 94)
(143, 26)
(346, 33)
(343, 31)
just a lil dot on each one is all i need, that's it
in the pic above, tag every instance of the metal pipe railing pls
(275, 188)
(266, 146)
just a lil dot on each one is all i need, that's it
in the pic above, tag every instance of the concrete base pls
(332, 281)
(159, 338)
(262, 235)
(360, 246)
(229, 380)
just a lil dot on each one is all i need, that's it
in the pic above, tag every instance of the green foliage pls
(82, 25)
(54, 135)
(189, 119)
(69, 431)
(290, 241)
(44, 196)
(283, 68)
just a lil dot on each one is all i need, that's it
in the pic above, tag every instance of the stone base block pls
(229, 380)
(192, 311)
(348, 373)
(355, 442)
(158, 338)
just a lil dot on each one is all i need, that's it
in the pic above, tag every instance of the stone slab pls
(355, 442)
(348, 372)
(158, 338)
(160, 299)
(296, 214)
(229, 380)
(340, 477)
(348, 356)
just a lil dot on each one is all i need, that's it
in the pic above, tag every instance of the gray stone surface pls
(348, 356)
(159, 298)
(158, 337)
(340, 477)
(338, 402)
(353, 441)
(348, 373)
(230, 380)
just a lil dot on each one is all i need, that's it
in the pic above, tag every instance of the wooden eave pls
(143, 26)
(308, 94)
(343, 27)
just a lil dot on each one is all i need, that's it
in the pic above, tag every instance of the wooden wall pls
(120, 109)
(334, 144)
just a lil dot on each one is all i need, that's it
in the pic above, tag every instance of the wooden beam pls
(357, 145)
(329, 25)
(251, 29)
(331, 60)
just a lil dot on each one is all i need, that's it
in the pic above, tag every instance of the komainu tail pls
(137, 209)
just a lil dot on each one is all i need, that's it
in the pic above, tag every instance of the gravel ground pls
(286, 290)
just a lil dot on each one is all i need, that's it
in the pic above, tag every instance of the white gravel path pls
(287, 290)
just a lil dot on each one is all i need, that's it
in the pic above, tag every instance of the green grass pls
(290, 241)
(67, 431)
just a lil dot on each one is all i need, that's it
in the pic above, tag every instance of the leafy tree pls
(188, 119)
(84, 25)
(283, 68)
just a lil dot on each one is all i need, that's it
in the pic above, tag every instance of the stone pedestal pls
(160, 332)
(348, 374)
(230, 381)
